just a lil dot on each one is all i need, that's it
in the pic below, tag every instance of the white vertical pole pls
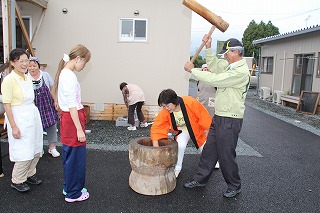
(5, 30)
(283, 69)
(13, 24)
(274, 71)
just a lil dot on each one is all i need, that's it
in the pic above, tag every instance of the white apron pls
(27, 119)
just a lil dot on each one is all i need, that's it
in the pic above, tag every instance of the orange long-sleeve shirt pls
(199, 117)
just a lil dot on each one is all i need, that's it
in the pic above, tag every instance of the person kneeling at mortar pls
(186, 117)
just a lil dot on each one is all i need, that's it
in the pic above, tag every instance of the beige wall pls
(283, 69)
(154, 66)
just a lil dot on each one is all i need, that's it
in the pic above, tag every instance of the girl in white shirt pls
(67, 92)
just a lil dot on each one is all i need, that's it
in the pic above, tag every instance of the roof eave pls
(40, 3)
(287, 35)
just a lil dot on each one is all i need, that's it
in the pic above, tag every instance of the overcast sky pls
(287, 15)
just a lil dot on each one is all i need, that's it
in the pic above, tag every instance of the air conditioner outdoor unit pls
(264, 92)
(276, 96)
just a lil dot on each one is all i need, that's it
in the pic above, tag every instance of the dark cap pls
(230, 43)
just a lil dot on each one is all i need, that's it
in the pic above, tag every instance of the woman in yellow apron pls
(23, 123)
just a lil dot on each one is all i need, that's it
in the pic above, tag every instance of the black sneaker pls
(21, 187)
(34, 180)
(231, 193)
(192, 184)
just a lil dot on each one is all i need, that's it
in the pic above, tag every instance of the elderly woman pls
(42, 84)
(23, 122)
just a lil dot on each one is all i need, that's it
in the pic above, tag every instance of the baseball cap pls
(204, 66)
(230, 43)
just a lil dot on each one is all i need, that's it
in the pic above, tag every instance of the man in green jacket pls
(232, 84)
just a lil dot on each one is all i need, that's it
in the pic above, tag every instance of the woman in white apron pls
(23, 123)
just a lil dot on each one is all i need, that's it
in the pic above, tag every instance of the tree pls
(198, 61)
(256, 31)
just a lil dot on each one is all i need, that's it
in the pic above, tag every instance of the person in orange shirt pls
(185, 117)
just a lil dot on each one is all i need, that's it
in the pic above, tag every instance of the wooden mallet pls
(216, 21)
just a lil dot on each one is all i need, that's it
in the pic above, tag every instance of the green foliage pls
(256, 31)
(199, 61)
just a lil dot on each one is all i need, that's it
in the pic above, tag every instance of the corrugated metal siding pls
(283, 51)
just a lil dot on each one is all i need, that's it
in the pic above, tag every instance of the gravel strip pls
(106, 136)
(288, 114)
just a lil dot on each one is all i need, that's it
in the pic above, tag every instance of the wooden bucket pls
(152, 167)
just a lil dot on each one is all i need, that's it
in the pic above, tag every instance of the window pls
(267, 65)
(318, 67)
(133, 30)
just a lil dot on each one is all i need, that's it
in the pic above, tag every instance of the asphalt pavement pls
(278, 162)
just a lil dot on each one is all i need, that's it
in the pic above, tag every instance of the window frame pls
(267, 68)
(129, 37)
(303, 72)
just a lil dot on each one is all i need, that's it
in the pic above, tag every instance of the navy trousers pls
(74, 170)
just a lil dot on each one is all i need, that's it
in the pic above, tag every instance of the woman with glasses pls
(185, 117)
(23, 123)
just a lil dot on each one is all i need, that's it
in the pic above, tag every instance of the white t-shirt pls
(69, 91)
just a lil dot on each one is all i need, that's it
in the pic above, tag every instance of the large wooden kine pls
(216, 21)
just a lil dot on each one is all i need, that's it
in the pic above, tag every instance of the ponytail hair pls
(78, 50)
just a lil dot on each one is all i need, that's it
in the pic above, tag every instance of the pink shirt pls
(135, 94)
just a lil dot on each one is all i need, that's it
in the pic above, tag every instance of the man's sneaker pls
(217, 166)
(192, 184)
(21, 187)
(33, 180)
(144, 124)
(54, 152)
(132, 128)
(231, 193)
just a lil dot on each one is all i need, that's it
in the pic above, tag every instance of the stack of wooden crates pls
(112, 111)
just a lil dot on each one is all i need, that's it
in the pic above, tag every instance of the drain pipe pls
(259, 71)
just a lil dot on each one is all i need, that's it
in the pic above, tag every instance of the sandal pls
(65, 193)
(84, 196)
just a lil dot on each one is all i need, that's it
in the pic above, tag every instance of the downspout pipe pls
(259, 71)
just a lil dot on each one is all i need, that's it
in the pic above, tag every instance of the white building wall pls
(154, 65)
